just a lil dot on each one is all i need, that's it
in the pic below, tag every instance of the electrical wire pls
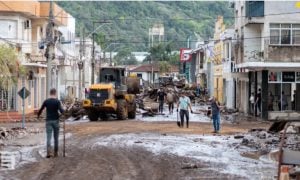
(164, 19)
(174, 19)
(169, 41)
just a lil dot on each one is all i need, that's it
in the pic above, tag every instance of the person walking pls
(53, 106)
(284, 101)
(183, 104)
(161, 99)
(198, 90)
(258, 102)
(170, 101)
(294, 101)
(252, 103)
(215, 110)
(270, 102)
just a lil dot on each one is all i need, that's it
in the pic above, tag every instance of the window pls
(284, 34)
(8, 29)
(255, 8)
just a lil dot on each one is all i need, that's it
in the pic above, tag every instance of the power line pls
(165, 41)
(174, 19)
(210, 40)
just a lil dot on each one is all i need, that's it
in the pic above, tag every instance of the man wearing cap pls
(184, 103)
(215, 110)
(161, 99)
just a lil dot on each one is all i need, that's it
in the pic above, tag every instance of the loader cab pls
(114, 75)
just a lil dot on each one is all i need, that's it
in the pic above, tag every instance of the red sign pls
(185, 55)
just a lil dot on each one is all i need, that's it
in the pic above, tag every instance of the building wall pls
(36, 87)
(252, 44)
(218, 82)
(218, 59)
(146, 76)
(69, 71)
(229, 95)
(13, 29)
(24, 25)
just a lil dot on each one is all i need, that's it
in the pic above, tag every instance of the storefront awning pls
(293, 66)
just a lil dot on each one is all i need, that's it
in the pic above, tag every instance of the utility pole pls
(83, 62)
(93, 57)
(49, 54)
(80, 64)
(110, 58)
(93, 48)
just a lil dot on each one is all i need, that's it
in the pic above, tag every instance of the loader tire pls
(132, 113)
(103, 116)
(122, 112)
(93, 115)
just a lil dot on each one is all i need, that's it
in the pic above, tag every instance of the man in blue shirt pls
(184, 103)
(52, 105)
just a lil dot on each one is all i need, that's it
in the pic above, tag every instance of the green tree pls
(9, 66)
(124, 57)
(100, 39)
(131, 20)
(160, 52)
(174, 59)
(164, 67)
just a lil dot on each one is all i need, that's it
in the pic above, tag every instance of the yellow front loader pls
(114, 94)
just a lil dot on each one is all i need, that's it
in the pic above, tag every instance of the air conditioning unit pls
(27, 24)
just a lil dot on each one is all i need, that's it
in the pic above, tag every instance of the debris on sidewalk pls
(10, 133)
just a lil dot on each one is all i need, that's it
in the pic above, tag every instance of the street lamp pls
(93, 50)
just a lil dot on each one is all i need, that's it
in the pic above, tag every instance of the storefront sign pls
(288, 76)
(185, 55)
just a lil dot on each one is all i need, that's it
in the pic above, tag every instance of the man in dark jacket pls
(161, 95)
(52, 106)
(215, 111)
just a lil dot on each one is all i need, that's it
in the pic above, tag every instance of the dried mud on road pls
(87, 159)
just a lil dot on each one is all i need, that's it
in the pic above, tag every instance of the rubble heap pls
(16, 132)
(262, 140)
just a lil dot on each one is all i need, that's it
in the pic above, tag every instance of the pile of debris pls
(263, 140)
(16, 132)
(147, 100)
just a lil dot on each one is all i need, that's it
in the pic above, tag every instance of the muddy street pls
(140, 150)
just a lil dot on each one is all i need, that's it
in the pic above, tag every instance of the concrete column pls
(264, 94)
(297, 97)
(255, 91)
(249, 91)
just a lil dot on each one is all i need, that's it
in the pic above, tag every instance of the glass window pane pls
(296, 25)
(274, 25)
(285, 25)
(296, 36)
(274, 36)
(285, 37)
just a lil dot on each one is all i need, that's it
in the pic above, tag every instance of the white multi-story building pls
(267, 55)
(68, 69)
(23, 25)
(227, 37)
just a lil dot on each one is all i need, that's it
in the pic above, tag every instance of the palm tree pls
(9, 66)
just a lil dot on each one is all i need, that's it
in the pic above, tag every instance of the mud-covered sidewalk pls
(141, 150)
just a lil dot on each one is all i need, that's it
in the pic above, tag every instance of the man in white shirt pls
(184, 103)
